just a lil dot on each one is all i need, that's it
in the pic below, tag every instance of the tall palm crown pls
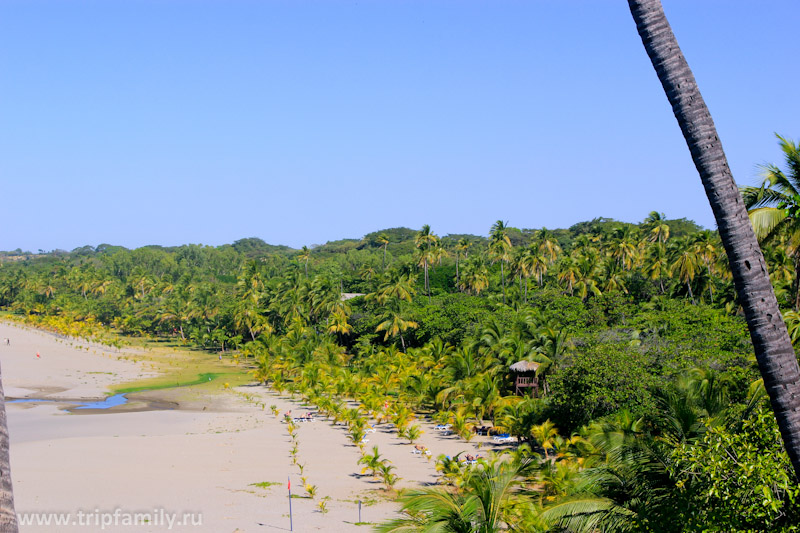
(304, 255)
(425, 240)
(656, 224)
(774, 207)
(383, 240)
(461, 246)
(500, 248)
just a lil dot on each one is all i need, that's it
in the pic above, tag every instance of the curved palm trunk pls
(776, 358)
(8, 516)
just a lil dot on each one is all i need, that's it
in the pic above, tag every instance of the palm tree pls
(304, 255)
(774, 207)
(399, 286)
(624, 248)
(461, 246)
(489, 502)
(524, 264)
(383, 240)
(613, 277)
(569, 272)
(773, 348)
(657, 264)
(394, 324)
(475, 276)
(372, 462)
(656, 225)
(338, 323)
(705, 246)
(424, 241)
(500, 248)
(685, 267)
(545, 244)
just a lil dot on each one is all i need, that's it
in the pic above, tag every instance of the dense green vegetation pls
(650, 414)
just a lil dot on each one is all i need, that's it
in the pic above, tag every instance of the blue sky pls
(171, 122)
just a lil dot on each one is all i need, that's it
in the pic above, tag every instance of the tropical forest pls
(648, 411)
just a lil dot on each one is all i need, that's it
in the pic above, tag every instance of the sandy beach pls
(216, 454)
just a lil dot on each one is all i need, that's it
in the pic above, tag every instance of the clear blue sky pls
(171, 122)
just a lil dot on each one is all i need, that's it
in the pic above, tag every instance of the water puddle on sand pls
(117, 403)
(116, 400)
(111, 401)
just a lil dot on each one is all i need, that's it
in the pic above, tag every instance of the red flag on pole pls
(289, 486)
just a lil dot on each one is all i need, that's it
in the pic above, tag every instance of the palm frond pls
(766, 220)
(589, 513)
(755, 197)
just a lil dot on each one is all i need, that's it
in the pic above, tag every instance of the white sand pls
(192, 461)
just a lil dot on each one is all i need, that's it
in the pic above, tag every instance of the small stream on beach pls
(111, 401)
(119, 399)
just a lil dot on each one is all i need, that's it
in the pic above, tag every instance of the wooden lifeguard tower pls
(525, 378)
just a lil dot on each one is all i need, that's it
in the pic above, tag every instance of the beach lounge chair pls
(421, 450)
(503, 437)
(442, 427)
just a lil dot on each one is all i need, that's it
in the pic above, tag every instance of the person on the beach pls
(38, 356)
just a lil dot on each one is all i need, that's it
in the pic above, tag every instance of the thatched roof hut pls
(525, 366)
(526, 377)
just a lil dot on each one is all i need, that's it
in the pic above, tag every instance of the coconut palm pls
(337, 323)
(372, 462)
(474, 276)
(569, 272)
(774, 207)
(425, 240)
(546, 245)
(489, 502)
(394, 324)
(705, 245)
(685, 266)
(389, 478)
(624, 247)
(773, 348)
(500, 249)
(657, 264)
(461, 246)
(656, 226)
(383, 240)
(304, 255)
